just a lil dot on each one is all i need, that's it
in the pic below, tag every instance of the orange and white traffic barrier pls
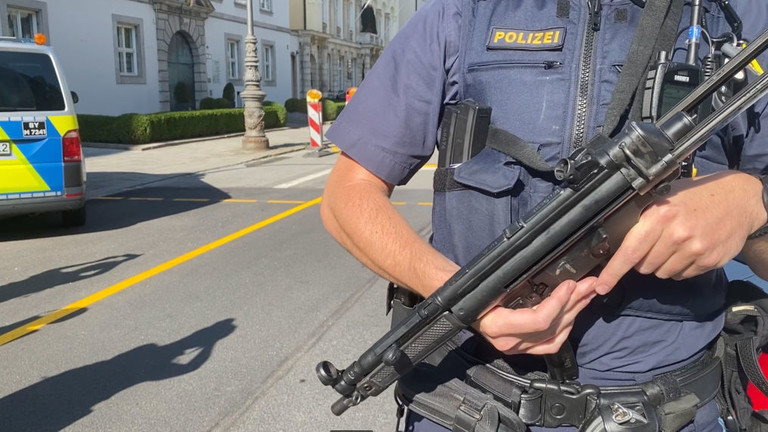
(350, 92)
(315, 118)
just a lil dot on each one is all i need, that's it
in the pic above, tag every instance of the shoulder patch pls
(529, 40)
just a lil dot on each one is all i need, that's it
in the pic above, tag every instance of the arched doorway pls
(181, 74)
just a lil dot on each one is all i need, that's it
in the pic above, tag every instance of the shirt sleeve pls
(390, 125)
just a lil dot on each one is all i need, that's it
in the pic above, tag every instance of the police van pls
(41, 160)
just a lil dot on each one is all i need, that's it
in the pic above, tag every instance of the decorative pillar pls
(253, 96)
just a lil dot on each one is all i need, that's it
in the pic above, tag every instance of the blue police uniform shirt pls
(390, 128)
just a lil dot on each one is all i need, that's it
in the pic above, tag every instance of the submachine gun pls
(606, 185)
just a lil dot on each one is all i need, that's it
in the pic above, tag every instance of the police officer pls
(548, 70)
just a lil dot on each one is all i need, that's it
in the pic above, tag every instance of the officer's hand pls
(541, 329)
(701, 225)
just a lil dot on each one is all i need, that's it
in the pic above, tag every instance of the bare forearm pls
(357, 212)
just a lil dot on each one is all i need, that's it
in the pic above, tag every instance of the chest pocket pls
(528, 91)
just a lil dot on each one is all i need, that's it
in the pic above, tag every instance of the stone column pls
(253, 96)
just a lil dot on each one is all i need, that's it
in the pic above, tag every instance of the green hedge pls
(296, 105)
(277, 114)
(213, 103)
(170, 126)
(331, 109)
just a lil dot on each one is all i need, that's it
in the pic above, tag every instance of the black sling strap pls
(660, 18)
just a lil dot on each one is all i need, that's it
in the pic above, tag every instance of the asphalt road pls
(198, 302)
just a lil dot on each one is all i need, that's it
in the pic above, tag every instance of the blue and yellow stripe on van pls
(35, 167)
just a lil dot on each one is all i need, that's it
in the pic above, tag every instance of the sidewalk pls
(114, 168)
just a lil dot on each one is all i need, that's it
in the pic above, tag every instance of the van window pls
(29, 82)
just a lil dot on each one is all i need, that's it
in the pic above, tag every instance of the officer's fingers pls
(550, 340)
(564, 326)
(639, 240)
(680, 254)
(699, 266)
(584, 288)
(674, 267)
(662, 255)
(500, 322)
(546, 342)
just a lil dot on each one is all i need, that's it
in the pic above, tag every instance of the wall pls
(83, 41)
(83, 38)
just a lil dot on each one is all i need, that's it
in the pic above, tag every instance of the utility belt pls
(494, 398)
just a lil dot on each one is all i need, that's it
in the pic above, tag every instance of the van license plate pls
(5, 149)
(34, 129)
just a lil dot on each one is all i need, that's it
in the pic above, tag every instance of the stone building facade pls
(340, 40)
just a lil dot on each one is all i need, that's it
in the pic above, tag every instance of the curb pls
(150, 146)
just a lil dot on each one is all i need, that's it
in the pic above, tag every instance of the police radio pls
(666, 84)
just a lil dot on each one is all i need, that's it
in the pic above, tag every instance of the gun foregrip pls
(397, 361)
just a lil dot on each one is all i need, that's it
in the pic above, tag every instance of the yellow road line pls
(106, 292)
(110, 198)
(144, 199)
(236, 200)
(191, 199)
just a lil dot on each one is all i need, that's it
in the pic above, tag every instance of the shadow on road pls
(159, 198)
(61, 276)
(23, 323)
(59, 401)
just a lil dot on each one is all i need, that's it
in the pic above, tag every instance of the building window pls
(265, 5)
(351, 20)
(267, 61)
(337, 17)
(368, 20)
(129, 50)
(325, 15)
(234, 56)
(126, 50)
(22, 23)
(233, 59)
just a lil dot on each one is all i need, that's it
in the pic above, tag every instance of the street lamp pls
(253, 96)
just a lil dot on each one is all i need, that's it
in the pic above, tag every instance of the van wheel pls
(73, 218)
